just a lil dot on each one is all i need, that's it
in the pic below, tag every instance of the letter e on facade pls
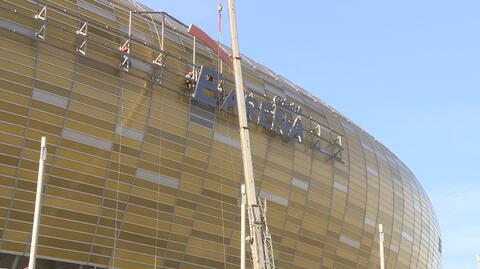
(206, 88)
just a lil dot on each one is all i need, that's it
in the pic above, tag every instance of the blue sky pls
(406, 71)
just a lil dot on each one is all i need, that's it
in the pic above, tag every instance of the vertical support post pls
(381, 239)
(130, 24)
(478, 260)
(221, 66)
(163, 30)
(38, 200)
(242, 229)
(194, 54)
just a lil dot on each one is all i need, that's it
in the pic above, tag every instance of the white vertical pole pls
(163, 30)
(130, 24)
(382, 238)
(194, 53)
(478, 260)
(242, 229)
(38, 200)
(258, 249)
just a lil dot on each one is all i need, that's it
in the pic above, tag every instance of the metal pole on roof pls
(38, 200)
(381, 239)
(194, 53)
(130, 24)
(163, 29)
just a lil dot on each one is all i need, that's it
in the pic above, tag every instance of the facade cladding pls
(141, 175)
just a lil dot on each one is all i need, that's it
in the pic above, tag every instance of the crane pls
(260, 239)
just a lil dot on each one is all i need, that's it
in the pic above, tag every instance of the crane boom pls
(260, 240)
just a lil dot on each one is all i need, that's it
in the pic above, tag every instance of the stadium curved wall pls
(139, 174)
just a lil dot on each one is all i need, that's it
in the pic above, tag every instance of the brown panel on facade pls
(63, 213)
(219, 196)
(94, 102)
(25, 80)
(11, 118)
(84, 148)
(45, 127)
(91, 120)
(210, 237)
(8, 160)
(126, 150)
(12, 108)
(48, 87)
(204, 261)
(186, 204)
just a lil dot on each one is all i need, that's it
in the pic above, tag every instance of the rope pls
(220, 86)
(159, 164)
(159, 150)
(117, 193)
(159, 167)
(158, 200)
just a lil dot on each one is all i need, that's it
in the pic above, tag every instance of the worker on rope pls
(190, 80)
(125, 61)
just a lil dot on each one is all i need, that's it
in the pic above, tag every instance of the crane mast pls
(260, 240)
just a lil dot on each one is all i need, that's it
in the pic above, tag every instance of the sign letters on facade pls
(277, 115)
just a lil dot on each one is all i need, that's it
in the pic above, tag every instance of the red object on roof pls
(212, 44)
(200, 34)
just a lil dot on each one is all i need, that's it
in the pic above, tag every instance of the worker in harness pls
(124, 60)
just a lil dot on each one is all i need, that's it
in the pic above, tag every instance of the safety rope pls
(158, 169)
(117, 195)
(160, 44)
(159, 164)
(220, 87)
(117, 191)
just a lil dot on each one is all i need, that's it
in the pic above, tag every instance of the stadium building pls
(144, 165)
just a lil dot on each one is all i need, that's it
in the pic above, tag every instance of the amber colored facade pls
(138, 175)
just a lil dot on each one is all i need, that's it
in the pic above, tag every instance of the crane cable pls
(219, 10)
(220, 87)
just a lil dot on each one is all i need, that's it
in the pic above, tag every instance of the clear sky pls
(406, 71)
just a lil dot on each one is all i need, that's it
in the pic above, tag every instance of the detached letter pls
(206, 89)
(297, 129)
(251, 105)
(230, 101)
